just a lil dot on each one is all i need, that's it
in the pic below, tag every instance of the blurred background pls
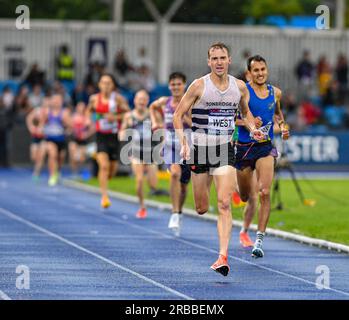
(69, 43)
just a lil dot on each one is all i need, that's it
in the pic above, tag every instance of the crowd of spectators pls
(321, 101)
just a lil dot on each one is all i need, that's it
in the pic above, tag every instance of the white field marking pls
(96, 255)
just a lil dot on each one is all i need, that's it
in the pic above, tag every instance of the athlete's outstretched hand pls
(285, 133)
(257, 135)
(185, 151)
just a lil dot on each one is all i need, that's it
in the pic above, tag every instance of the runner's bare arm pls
(193, 93)
(90, 128)
(124, 107)
(187, 119)
(67, 120)
(126, 123)
(44, 117)
(257, 121)
(154, 110)
(91, 106)
(30, 120)
(280, 116)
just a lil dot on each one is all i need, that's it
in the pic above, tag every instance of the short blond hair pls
(218, 45)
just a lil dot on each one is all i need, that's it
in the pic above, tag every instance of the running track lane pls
(75, 251)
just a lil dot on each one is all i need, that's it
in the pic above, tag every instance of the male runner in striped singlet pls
(264, 102)
(180, 173)
(214, 100)
(109, 108)
(142, 146)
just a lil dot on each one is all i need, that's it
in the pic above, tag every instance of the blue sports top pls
(263, 108)
(54, 129)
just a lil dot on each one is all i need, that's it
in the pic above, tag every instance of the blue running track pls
(75, 251)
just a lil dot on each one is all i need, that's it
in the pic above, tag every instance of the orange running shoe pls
(105, 202)
(221, 265)
(245, 240)
(141, 213)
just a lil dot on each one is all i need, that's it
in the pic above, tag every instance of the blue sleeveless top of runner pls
(54, 129)
(263, 108)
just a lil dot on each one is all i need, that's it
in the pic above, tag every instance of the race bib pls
(221, 121)
(54, 130)
(266, 129)
(168, 118)
(105, 125)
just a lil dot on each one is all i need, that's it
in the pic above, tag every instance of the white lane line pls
(4, 296)
(192, 244)
(96, 255)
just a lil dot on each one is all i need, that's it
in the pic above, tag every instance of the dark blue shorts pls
(61, 145)
(247, 154)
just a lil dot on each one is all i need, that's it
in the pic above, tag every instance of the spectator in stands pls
(331, 94)
(299, 123)
(342, 76)
(305, 74)
(311, 113)
(79, 94)
(59, 88)
(242, 72)
(36, 97)
(324, 74)
(8, 98)
(122, 69)
(90, 90)
(305, 69)
(94, 73)
(65, 65)
(142, 79)
(21, 104)
(335, 115)
(289, 106)
(143, 60)
(35, 76)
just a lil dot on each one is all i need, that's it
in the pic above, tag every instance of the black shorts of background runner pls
(80, 143)
(186, 173)
(109, 144)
